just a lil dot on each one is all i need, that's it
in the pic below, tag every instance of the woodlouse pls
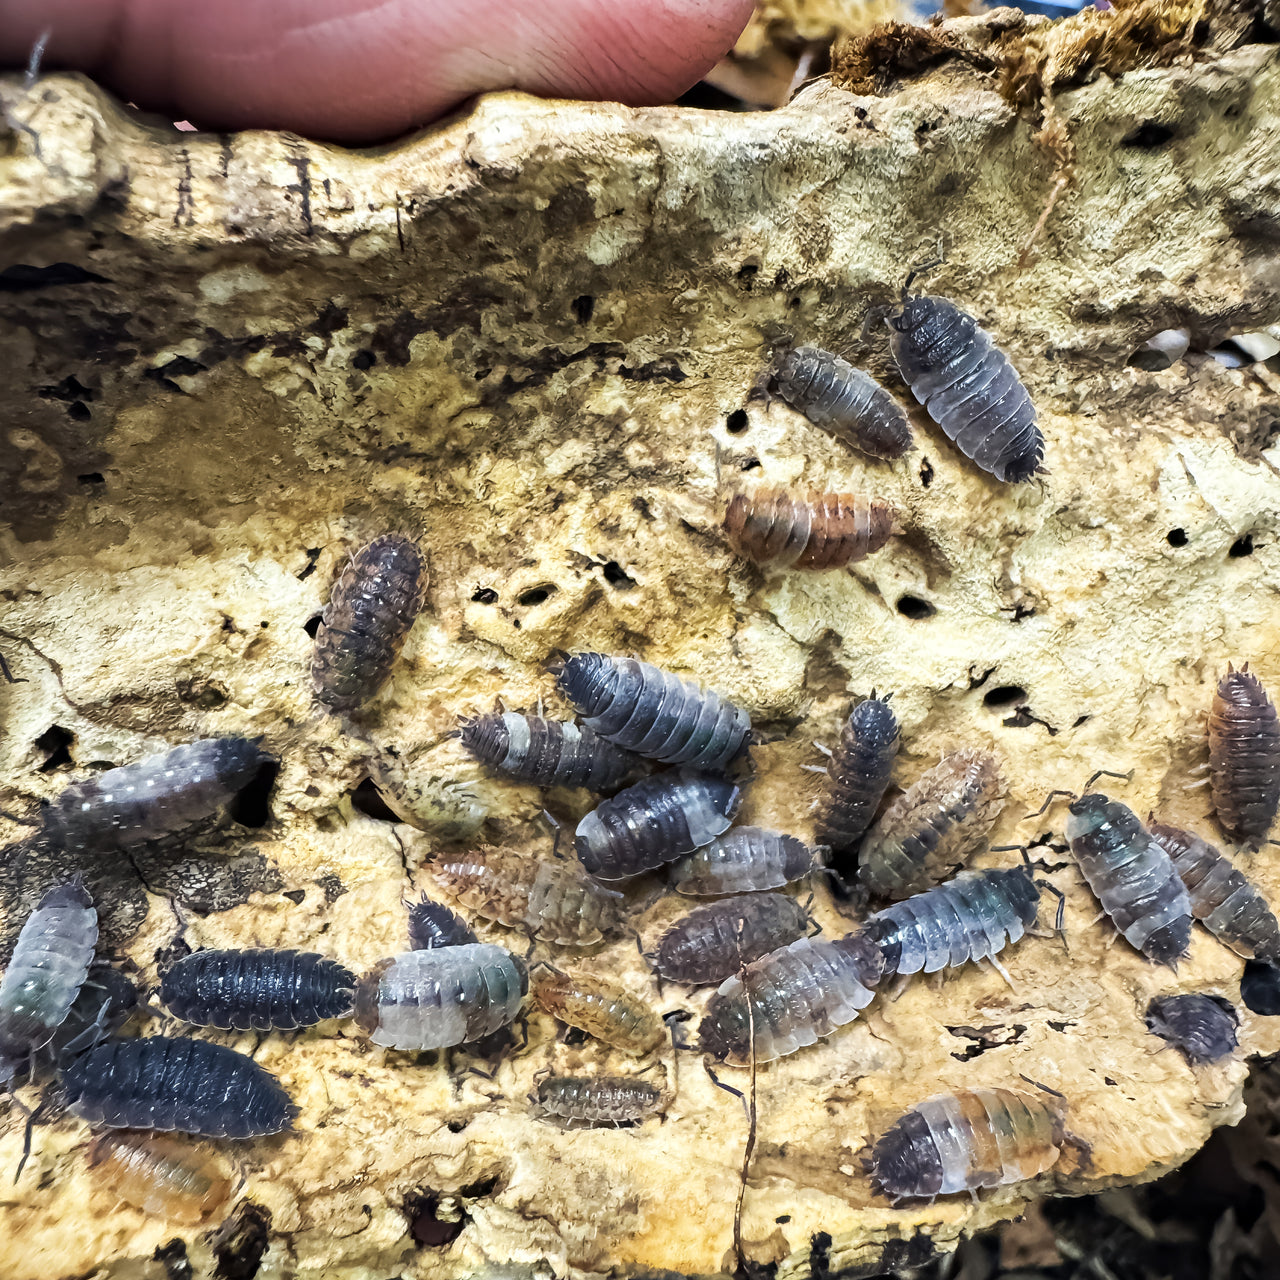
(165, 1083)
(654, 821)
(257, 990)
(844, 401)
(1222, 898)
(103, 1005)
(603, 1009)
(598, 1099)
(432, 924)
(1201, 1028)
(1132, 877)
(968, 386)
(817, 531)
(654, 713)
(857, 775)
(972, 917)
(431, 802)
(798, 995)
(1260, 988)
(440, 998)
(715, 941)
(743, 860)
(547, 753)
(50, 962)
(158, 795)
(934, 826)
(551, 901)
(966, 1140)
(371, 608)
(1244, 756)
(162, 1176)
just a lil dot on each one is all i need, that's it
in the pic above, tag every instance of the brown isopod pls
(1244, 756)
(817, 531)
(592, 1100)
(162, 1176)
(602, 1009)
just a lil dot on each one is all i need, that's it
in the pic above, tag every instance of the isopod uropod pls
(1244, 756)
(371, 609)
(432, 924)
(1201, 1028)
(966, 1140)
(601, 1008)
(968, 386)
(714, 941)
(598, 1099)
(857, 775)
(743, 860)
(548, 753)
(818, 531)
(162, 1176)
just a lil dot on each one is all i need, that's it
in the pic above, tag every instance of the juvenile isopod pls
(968, 386)
(371, 608)
(161, 1176)
(654, 821)
(257, 990)
(654, 713)
(551, 901)
(966, 1140)
(601, 1008)
(445, 807)
(972, 917)
(1132, 877)
(1244, 756)
(50, 962)
(432, 924)
(743, 860)
(797, 995)
(547, 753)
(817, 531)
(1222, 898)
(1201, 1028)
(164, 1083)
(440, 998)
(714, 941)
(156, 796)
(597, 1099)
(934, 826)
(857, 775)
(844, 401)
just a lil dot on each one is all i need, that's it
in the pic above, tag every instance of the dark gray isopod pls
(257, 990)
(655, 821)
(968, 386)
(857, 776)
(653, 712)
(844, 401)
(743, 860)
(432, 924)
(548, 753)
(103, 1005)
(1201, 1028)
(715, 941)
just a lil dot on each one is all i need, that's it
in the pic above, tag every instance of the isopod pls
(440, 998)
(857, 775)
(598, 1099)
(797, 995)
(257, 990)
(934, 826)
(601, 1008)
(817, 531)
(1260, 988)
(432, 924)
(1222, 898)
(551, 901)
(1244, 756)
(50, 962)
(845, 401)
(444, 807)
(158, 795)
(656, 820)
(547, 753)
(1201, 1028)
(1132, 877)
(654, 713)
(161, 1176)
(714, 941)
(104, 1004)
(165, 1083)
(968, 386)
(972, 917)
(966, 1140)
(743, 860)
(371, 608)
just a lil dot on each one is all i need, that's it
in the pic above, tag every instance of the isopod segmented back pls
(1244, 756)
(603, 1009)
(598, 1099)
(161, 1176)
(1202, 1028)
(547, 753)
(715, 941)
(743, 860)
(815, 531)
(432, 924)
(857, 776)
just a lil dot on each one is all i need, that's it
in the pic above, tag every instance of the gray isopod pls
(597, 1099)
(715, 941)
(548, 753)
(743, 860)
(1201, 1028)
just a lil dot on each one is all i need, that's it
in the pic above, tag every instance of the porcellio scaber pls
(1201, 1028)
(844, 401)
(819, 531)
(714, 941)
(257, 990)
(165, 1083)
(743, 860)
(432, 924)
(603, 1009)
(371, 609)
(857, 775)
(966, 1140)
(161, 1176)
(597, 1099)
(654, 713)
(547, 753)
(1244, 756)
